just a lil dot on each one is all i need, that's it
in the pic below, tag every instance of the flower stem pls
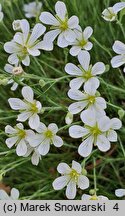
(94, 174)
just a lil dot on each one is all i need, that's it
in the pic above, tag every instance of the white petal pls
(60, 182)
(24, 116)
(84, 59)
(73, 22)
(63, 168)
(119, 47)
(83, 182)
(61, 10)
(104, 123)
(35, 159)
(38, 30)
(76, 95)
(76, 166)
(103, 143)
(20, 126)
(14, 86)
(86, 146)
(86, 197)
(61, 41)
(24, 24)
(118, 6)
(117, 61)
(112, 136)
(100, 103)
(120, 192)
(88, 46)
(98, 68)
(76, 83)
(43, 149)
(35, 140)
(11, 141)
(69, 35)
(4, 195)
(45, 45)
(17, 104)
(77, 107)
(49, 19)
(74, 51)
(77, 131)
(8, 68)
(92, 84)
(14, 194)
(34, 52)
(27, 93)
(34, 121)
(26, 61)
(116, 123)
(21, 148)
(71, 190)
(18, 38)
(42, 128)
(57, 141)
(73, 69)
(88, 117)
(11, 47)
(51, 35)
(87, 32)
(102, 198)
(9, 130)
(13, 59)
(53, 127)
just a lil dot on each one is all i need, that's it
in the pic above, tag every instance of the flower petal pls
(118, 7)
(77, 107)
(86, 197)
(87, 32)
(17, 104)
(104, 123)
(112, 136)
(61, 10)
(117, 61)
(116, 124)
(34, 121)
(103, 143)
(42, 128)
(60, 182)
(98, 68)
(43, 149)
(84, 59)
(24, 116)
(74, 51)
(26, 61)
(8, 68)
(51, 35)
(38, 30)
(11, 141)
(27, 93)
(76, 83)
(73, 70)
(69, 35)
(120, 192)
(14, 194)
(53, 127)
(119, 47)
(71, 190)
(86, 146)
(76, 95)
(73, 22)
(77, 131)
(21, 148)
(35, 159)
(83, 182)
(76, 166)
(57, 141)
(9, 130)
(61, 41)
(49, 19)
(63, 168)
(88, 117)
(24, 24)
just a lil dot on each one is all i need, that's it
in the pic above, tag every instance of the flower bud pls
(42, 83)
(4, 81)
(17, 71)
(84, 171)
(121, 113)
(69, 118)
(16, 25)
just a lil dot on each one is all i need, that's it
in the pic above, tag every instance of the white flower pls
(14, 195)
(18, 137)
(111, 134)
(110, 14)
(15, 71)
(32, 9)
(120, 192)
(25, 43)
(85, 72)
(29, 108)
(89, 100)
(81, 42)
(1, 13)
(35, 155)
(45, 137)
(95, 132)
(119, 59)
(16, 25)
(69, 118)
(71, 177)
(61, 25)
(87, 197)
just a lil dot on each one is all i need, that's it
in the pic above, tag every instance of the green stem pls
(101, 46)
(94, 174)
(121, 27)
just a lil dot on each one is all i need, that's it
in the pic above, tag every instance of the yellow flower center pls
(74, 175)
(94, 197)
(87, 75)
(34, 108)
(49, 134)
(82, 43)
(91, 99)
(63, 25)
(21, 133)
(95, 130)
(24, 50)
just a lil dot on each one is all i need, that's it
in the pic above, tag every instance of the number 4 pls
(116, 207)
